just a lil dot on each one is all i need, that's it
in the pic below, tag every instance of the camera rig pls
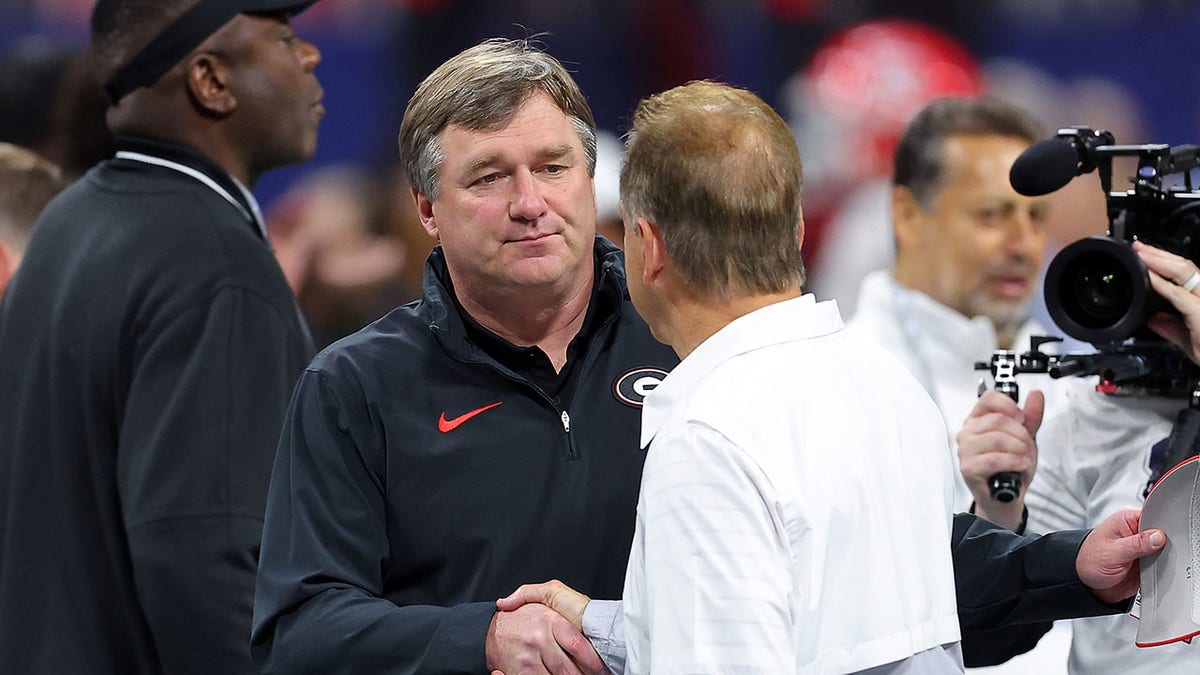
(1098, 290)
(1136, 369)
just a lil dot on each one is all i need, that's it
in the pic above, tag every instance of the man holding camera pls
(1096, 459)
(968, 250)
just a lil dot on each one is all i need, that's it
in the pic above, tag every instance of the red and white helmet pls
(850, 104)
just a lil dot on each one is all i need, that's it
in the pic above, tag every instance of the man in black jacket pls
(483, 436)
(148, 347)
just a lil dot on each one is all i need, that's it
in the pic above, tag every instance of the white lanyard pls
(255, 216)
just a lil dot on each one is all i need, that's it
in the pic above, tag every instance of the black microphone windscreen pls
(1044, 167)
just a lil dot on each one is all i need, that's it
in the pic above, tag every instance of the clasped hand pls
(537, 631)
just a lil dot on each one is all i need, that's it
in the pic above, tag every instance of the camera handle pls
(1004, 486)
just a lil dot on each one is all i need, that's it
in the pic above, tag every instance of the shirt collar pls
(801, 318)
(196, 166)
(926, 320)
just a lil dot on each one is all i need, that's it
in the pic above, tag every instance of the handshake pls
(539, 627)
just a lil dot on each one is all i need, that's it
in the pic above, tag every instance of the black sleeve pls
(319, 605)
(207, 391)
(992, 647)
(1015, 582)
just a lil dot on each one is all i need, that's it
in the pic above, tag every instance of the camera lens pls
(1097, 290)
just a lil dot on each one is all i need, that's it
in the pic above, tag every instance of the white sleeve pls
(1054, 498)
(718, 585)
(604, 626)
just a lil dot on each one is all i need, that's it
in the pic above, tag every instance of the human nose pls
(525, 202)
(310, 56)
(1024, 234)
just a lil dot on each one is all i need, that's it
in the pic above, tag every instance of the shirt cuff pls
(604, 625)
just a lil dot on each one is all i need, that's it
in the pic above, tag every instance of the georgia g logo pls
(632, 387)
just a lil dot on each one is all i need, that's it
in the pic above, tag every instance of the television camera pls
(1098, 290)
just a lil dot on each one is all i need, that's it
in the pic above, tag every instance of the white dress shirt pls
(940, 346)
(795, 508)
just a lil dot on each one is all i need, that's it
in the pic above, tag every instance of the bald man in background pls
(27, 184)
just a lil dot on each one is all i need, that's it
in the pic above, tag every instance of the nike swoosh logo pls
(446, 426)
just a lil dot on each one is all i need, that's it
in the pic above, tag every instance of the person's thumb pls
(1035, 407)
(527, 594)
(1148, 542)
(1126, 550)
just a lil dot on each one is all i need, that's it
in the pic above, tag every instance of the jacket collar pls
(182, 159)
(446, 320)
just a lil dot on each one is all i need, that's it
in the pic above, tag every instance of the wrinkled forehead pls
(537, 130)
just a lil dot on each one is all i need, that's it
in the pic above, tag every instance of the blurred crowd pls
(343, 225)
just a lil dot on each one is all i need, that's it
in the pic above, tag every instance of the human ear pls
(907, 218)
(425, 212)
(208, 84)
(654, 250)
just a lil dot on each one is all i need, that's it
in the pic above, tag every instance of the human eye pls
(487, 179)
(989, 215)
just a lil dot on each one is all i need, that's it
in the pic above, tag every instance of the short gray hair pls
(482, 88)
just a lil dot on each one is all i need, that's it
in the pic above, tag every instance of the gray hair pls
(482, 88)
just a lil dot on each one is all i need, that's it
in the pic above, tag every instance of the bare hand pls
(1108, 560)
(554, 594)
(1168, 274)
(996, 437)
(536, 640)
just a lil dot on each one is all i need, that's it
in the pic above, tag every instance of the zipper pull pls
(566, 420)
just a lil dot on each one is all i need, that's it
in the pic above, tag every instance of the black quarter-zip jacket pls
(419, 478)
(149, 344)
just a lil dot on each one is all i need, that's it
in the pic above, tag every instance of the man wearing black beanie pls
(148, 348)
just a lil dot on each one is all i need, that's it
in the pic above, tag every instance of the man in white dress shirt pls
(968, 249)
(776, 530)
